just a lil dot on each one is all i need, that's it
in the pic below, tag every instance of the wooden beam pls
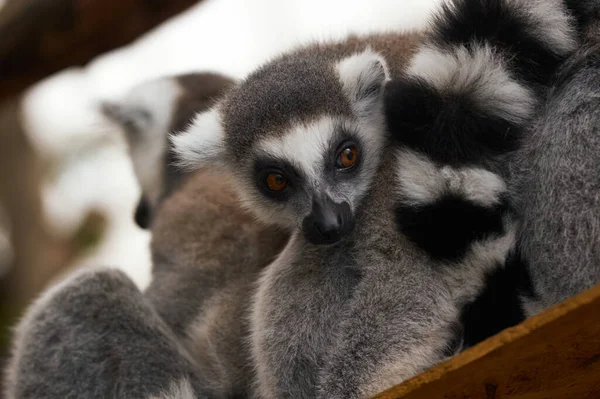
(555, 354)
(40, 37)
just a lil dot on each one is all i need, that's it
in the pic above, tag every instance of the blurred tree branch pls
(40, 37)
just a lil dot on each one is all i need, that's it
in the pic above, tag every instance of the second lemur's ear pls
(201, 143)
(363, 76)
(131, 119)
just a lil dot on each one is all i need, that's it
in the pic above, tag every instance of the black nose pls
(143, 213)
(327, 222)
(329, 227)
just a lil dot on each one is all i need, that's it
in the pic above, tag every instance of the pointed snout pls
(328, 221)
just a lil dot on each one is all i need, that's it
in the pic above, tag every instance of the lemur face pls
(312, 177)
(302, 138)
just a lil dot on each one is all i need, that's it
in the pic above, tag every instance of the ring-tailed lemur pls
(456, 117)
(149, 110)
(206, 251)
(346, 312)
(303, 137)
(559, 179)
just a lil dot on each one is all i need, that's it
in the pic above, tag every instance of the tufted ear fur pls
(363, 76)
(202, 143)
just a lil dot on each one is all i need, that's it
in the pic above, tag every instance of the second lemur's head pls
(302, 137)
(150, 112)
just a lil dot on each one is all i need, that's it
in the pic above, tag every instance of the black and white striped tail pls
(457, 114)
(476, 82)
(587, 15)
(463, 104)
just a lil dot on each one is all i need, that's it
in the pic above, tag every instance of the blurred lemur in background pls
(187, 327)
(206, 251)
(149, 110)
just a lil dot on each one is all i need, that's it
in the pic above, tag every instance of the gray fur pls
(207, 252)
(340, 321)
(404, 312)
(300, 295)
(144, 115)
(304, 309)
(95, 336)
(560, 187)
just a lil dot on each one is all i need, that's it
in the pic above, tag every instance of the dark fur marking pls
(446, 228)
(586, 13)
(293, 176)
(143, 213)
(457, 341)
(450, 129)
(498, 306)
(201, 91)
(503, 25)
(521, 273)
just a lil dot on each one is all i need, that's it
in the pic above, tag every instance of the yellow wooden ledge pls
(555, 354)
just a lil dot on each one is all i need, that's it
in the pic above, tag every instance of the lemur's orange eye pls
(276, 182)
(347, 157)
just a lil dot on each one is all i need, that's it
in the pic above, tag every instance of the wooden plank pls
(40, 37)
(555, 354)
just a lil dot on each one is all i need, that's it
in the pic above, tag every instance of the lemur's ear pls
(129, 118)
(202, 143)
(363, 76)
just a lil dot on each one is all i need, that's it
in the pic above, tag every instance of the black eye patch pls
(450, 128)
(263, 167)
(342, 139)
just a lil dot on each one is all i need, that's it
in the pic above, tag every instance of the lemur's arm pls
(457, 117)
(95, 336)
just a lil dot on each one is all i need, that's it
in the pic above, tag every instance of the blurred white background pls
(226, 36)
